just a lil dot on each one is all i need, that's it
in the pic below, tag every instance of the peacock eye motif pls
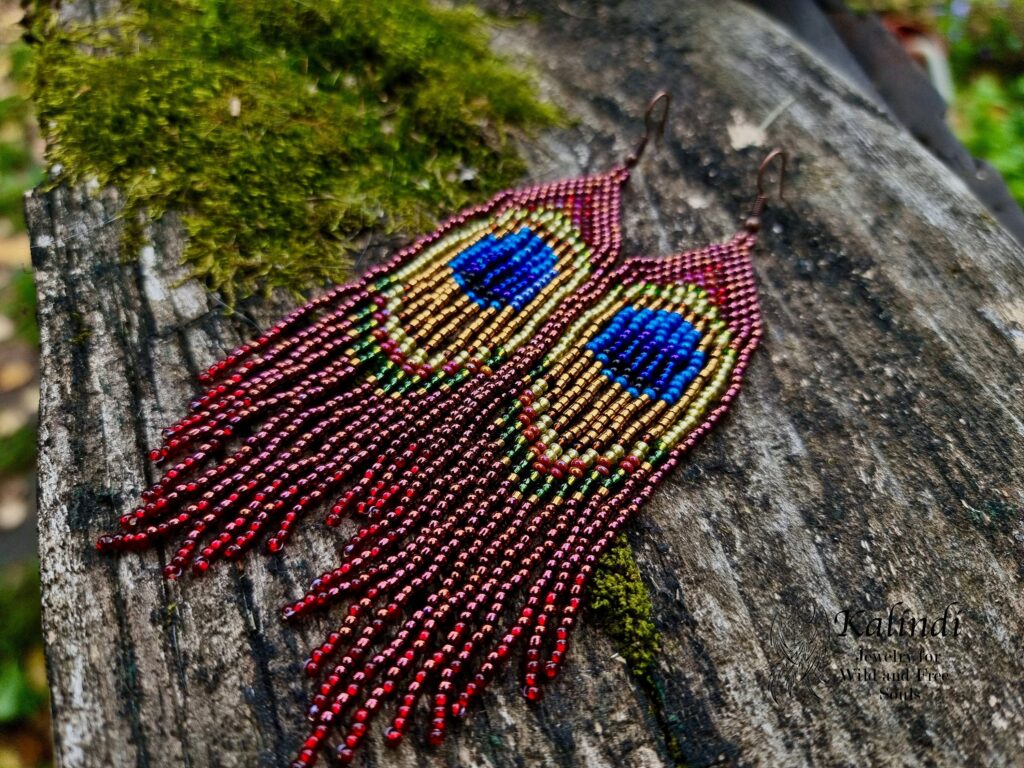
(481, 292)
(626, 373)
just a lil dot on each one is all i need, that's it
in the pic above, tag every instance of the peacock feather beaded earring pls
(497, 512)
(306, 407)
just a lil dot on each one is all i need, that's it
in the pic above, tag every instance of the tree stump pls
(874, 460)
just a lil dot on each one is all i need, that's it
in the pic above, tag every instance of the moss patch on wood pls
(281, 130)
(622, 605)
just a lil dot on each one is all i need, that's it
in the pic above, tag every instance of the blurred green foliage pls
(986, 52)
(18, 169)
(25, 739)
(18, 453)
(22, 682)
(18, 302)
(282, 129)
(985, 43)
(983, 35)
(990, 122)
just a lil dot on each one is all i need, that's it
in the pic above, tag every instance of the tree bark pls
(874, 458)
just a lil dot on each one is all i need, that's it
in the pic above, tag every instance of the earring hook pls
(753, 222)
(782, 172)
(651, 125)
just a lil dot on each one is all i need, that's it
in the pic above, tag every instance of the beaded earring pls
(483, 532)
(308, 406)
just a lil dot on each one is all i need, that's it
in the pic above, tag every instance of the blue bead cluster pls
(504, 271)
(649, 351)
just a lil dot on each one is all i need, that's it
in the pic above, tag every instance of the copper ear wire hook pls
(651, 125)
(782, 173)
(753, 222)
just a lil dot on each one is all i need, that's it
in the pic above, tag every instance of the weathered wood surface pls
(875, 457)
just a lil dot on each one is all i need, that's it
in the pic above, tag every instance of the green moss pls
(621, 604)
(623, 607)
(80, 331)
(281, 129)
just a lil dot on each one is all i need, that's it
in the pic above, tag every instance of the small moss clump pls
(623, 606)
(281, 130)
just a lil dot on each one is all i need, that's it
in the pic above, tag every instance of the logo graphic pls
(799, 644)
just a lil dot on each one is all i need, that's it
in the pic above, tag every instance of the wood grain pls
(875, 457)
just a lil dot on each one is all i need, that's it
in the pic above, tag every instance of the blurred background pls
(24, 713)
(972, 53)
